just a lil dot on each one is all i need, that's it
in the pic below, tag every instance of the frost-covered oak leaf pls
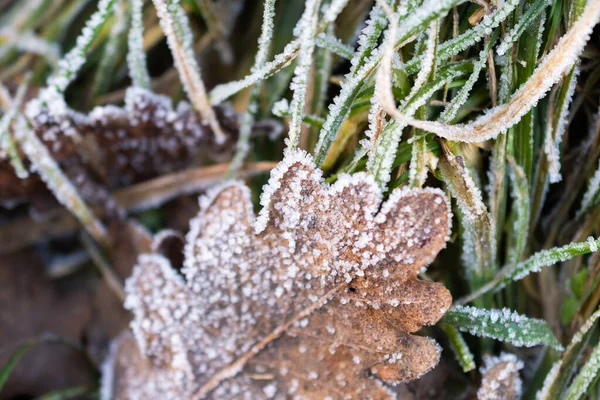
(316, 298)
(500, 378)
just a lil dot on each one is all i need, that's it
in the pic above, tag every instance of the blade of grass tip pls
(412, 24)
(264, 44)
(459, 347)
(13, 361)
(7, 143)
(551, 69)
(281, 109)
(560, 373)
(527, 52)
(110, 56)
(73, 392)
(504, 325)
(308, 31)
(136, 57)
(222, 92)
(535, 263)
(175, 25)
(57, 182)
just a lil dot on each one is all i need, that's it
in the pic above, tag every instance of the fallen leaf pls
(316, 298)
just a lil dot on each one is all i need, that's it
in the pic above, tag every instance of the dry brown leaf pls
(317, 298)
(501, 380)
(114, 146)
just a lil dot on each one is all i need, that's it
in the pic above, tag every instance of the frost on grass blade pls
(136, 57)
(555, 128)
(334, 45)
(504, 325)
(500, 378)
(247, 121)
(175, 25)
(110, 55)
(588, 374)
(561, 372)
(410, 25)
(29, 42)
(546, 258)
(75, 58)
(8, 148)
(307, 28)
(478, 241)
(222, 92)
(522, 211)
(381, 156)
(461, 97)
(551, 69)
(524, 22)
(469, 38)
(338, 110)
(340, 275)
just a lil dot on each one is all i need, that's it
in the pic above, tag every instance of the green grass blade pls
(459, 347)
(504, 325)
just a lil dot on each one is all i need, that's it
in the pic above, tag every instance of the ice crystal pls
(317, 293)
(501, 380)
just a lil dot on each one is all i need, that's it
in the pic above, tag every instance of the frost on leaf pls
(501, 380)
(318, 297)
(121, 145)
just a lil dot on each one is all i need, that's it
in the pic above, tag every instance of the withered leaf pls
(316, 298)
(116, 146)
(501, 380)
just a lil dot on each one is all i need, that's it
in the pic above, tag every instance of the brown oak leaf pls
(501, 380)
(112, 146)
(316, 298)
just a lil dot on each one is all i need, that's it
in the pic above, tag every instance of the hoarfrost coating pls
(326, 273)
